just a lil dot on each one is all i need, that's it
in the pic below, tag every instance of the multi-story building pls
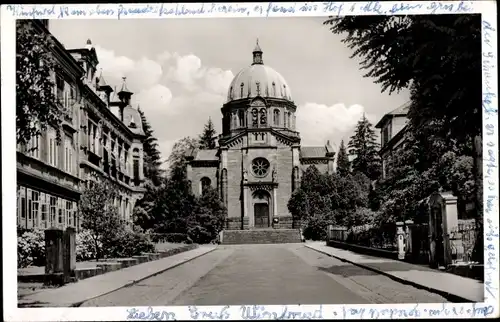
(392, 128)
(101, 136)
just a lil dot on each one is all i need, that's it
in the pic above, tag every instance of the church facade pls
(259, 160)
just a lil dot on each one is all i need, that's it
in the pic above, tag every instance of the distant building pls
(392, 128)
(102, 136)
(259, 160)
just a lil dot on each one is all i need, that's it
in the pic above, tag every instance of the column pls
(275, 203)
(245, 209)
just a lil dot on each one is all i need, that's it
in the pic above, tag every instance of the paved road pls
(265, 274)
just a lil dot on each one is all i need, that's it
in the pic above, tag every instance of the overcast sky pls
(180, 70)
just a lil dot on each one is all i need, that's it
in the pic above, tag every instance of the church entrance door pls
(261, 211)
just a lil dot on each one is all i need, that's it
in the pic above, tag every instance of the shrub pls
(168, 238)
(31, 249)
(200, 235)
(85, 246)
(315, 228)
(127, 243)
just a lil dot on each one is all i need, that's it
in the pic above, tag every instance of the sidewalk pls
(75, 293)
(461, 288)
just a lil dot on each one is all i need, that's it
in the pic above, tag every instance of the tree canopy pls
(343, 164)
(363, 147)
(152, 155)
(207, 137)
(431, 56)
(36, 104)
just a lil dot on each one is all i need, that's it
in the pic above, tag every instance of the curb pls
(451, 297)
(77, 304)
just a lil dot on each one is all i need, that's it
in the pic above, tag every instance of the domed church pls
(259, 160)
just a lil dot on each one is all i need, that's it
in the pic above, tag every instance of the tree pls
(343, 164)
(180, 151)
(98, 213)
(152, 156)
(364, 147)
(428, 54)
(207, 138)
(37, 106)
(208, 217)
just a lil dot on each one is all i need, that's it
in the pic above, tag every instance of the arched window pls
(263, 116)
(285, 119)
(276, 117)
(135, 156)
(241, 116)
(205, 184)
(255, 117)
(274, 89)
(289, 120)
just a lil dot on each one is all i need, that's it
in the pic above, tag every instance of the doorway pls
(261, 213)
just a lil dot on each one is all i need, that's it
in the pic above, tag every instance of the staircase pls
(260, 236)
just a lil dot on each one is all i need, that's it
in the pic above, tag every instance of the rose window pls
(260, 167)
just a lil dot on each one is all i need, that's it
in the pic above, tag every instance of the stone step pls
(261, 236)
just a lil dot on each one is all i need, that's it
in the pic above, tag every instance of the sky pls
(180, 71)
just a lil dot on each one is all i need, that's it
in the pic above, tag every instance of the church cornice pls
(323, 160)
(270, 102)
(261, 185)
(204, 163)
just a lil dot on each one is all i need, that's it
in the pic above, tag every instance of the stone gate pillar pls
(53, 255)
(400, 240)
(69, 254)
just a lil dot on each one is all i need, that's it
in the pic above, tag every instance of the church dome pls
(258, 80)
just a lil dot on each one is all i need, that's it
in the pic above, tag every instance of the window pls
(53, 150)
(35, 197)
(33, 147)
(60, 89)
(136, 166)
(68, 155)
(285, 120)
(386, 134)
(241, 90)
(274, 89)
(69, 213)
(23, 203)
(241, 117)
(255, 117)
(263, 116)
(52, 210)
(276, 117)
(260, 167)
(205, 184)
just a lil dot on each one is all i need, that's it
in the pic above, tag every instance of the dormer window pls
(241, 90)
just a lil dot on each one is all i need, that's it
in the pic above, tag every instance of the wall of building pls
(234, 178)
(51, 176)
(196, 173)
(398, 123)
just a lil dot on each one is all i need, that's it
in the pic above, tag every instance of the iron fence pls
(462, 240)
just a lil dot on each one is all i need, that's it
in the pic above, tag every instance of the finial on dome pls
(89, 42)
(257, 54)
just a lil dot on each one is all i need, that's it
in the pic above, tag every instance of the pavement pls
(75, 293)
(449, 285)
(265, 274)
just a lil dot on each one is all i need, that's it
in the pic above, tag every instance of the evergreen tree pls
(364, 147)
(152, 156)
(343, 164)
(207, 138)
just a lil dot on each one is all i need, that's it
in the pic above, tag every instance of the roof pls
(313, 152)
(400, 111)
(258, 80)
(206, 155)
(124, 87)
